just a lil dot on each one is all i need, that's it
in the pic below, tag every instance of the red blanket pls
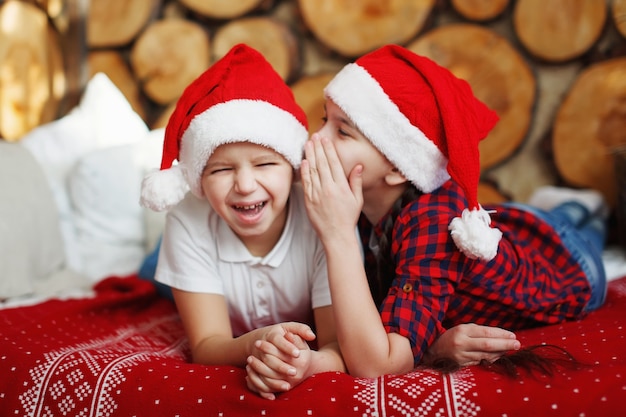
(123, 353)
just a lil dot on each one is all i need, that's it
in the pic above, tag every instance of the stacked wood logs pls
(554, 70)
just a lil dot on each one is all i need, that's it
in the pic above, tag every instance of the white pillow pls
(32, 260)
(103, 118)
(104, 190)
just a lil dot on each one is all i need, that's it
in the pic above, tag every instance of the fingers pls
(305, 178)
(268, 375)
(297, 341)
(308, 172)
(262, 385)
(323, 164)
(255, 385)
(489, 345)
(468, 344)
(300, 329)
(476, 330)
(474, 337)
(493, 339)
(331, 160)
(288, 343)
(278, 346)
(321, 168)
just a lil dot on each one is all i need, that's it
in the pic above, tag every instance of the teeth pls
(252, 207)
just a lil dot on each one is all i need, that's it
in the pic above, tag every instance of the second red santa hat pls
(428, 123)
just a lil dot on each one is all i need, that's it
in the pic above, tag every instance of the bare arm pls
(328, 357)
(334, 205)
(368, 349)
(207, 324)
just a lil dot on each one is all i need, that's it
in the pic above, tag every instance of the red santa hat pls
(428, 123)
(240, 98)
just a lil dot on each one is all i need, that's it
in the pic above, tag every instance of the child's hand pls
(333, 202)
(469, 344)
(280, 360)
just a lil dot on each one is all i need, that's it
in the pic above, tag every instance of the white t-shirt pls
(200, 253)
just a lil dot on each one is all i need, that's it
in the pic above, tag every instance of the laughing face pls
(248, 186)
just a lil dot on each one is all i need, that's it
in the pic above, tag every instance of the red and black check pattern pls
(533, 280)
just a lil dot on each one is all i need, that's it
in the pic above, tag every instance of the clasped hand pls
(280, 360)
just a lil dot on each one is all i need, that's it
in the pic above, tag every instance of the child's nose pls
(245, 181)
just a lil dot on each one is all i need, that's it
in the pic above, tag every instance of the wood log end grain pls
(480, 10)
(309, 94)
(31, 69)
(272, 38)
(590, 127)
(498, 75)
(163, 117)
(112, 23)
(225, 9)
(489, 193)
(354, 28)
(618, 11)
(559, 30)
(168, 56)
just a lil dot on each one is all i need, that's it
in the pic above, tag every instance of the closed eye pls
(212, 171)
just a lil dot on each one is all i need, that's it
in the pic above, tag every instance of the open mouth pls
(250, 209)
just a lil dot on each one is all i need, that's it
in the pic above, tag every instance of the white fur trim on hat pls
(364, 101)
(253, 121)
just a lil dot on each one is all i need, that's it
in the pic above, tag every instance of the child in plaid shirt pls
(398, 156)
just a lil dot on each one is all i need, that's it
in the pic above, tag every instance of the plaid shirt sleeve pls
(428, 268)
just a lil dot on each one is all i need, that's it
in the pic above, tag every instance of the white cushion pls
(104, 189)
(103, 119)
(32, 259)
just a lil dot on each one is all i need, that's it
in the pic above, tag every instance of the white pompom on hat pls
(428, 123)
(240, 98)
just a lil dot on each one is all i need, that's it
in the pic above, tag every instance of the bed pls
(82, 335)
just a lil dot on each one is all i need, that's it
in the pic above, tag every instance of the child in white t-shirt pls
(246, 268)
(238, 251)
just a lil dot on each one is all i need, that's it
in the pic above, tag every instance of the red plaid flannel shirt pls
(533, 280)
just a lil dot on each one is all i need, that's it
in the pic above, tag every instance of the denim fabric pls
(584, 235)
(148, 270)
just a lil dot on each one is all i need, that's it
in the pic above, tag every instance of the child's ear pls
(395, 177)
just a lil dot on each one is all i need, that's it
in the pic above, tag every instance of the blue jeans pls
(148, 270)
(584, 235)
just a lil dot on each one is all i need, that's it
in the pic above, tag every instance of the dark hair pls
(380, 280)
(545, 359)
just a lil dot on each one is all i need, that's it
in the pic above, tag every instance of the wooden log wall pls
(554, 70)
